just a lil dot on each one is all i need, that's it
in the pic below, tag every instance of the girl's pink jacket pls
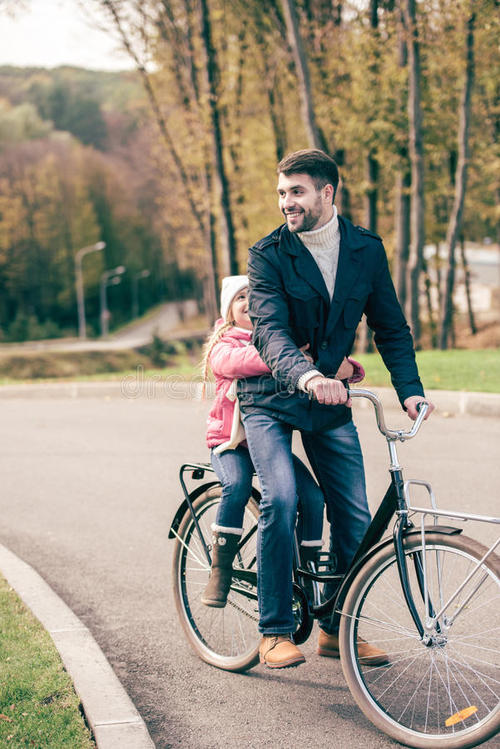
(233, 357)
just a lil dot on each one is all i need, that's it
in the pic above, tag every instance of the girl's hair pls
(211, 341)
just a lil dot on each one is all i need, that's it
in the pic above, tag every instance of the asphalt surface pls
(89, 490)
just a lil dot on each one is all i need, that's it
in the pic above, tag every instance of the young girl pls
(230, 355)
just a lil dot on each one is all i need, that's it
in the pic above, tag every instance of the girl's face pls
(239, 310)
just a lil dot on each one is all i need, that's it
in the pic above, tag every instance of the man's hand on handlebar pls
(327, 391)
(411, 406)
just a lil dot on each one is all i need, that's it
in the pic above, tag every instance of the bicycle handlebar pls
(390, 434)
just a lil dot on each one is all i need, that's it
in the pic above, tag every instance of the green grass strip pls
(458, 369)
(38, 705)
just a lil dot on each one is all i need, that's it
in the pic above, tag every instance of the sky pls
(48, 33)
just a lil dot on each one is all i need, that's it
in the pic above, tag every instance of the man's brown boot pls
(279, 651)
(225, 546)
(369, 655)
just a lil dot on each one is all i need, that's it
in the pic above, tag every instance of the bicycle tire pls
(442, 696)
(227, 637)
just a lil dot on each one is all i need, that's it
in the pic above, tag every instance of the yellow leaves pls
(12, 215)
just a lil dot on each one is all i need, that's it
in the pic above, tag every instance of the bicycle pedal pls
(327, 562)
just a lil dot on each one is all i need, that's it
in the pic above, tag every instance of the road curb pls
(110, 713)
(176, 387)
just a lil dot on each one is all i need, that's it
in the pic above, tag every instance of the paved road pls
(161, 322)
(88, 491)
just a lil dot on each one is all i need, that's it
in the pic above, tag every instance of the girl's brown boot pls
(225, 546)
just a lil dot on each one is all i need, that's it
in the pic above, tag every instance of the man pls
(310, 282)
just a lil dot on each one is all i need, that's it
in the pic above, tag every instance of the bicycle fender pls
(445, 530)
(184, 507)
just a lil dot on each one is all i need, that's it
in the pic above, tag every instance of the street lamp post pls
(108, 278)
(80, 297)
(135, 291)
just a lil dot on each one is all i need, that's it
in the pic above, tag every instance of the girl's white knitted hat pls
(231, 285)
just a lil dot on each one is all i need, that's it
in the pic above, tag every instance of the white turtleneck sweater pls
(324, 245)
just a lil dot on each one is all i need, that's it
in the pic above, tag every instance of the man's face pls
(305, 208)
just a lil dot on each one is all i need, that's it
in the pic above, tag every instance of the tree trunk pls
(337, 13)
(371, 195)
(343, 199)
(455, 222)
(417, 165)
(465, 265)
(365, 342)
(439, 275)
(403, 188)
(314, 135)
(371, 168)
(402, 250)
(428, 299)
(228, 239)
(278, 119)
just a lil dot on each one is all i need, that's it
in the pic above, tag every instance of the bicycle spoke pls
(227, 635)
(386, 626)
(449, 683)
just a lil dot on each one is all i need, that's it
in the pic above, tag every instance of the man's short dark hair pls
(317, 164)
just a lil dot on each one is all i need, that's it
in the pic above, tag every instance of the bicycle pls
(427, 595)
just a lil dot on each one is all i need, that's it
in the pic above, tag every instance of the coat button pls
(324, 345)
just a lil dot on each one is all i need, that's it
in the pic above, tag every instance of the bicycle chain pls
(242, 611)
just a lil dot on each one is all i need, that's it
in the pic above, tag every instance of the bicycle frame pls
(396, 502)
(432, 618)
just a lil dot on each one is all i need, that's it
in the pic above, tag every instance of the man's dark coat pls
(290, 306)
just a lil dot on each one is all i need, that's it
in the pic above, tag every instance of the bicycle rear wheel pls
(224, 637)
(444, 694)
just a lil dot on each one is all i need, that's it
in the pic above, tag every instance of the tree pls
(417, 164)
(213, 76)
(403, 185)
(21, 123)
(455, 221)
(313, 133)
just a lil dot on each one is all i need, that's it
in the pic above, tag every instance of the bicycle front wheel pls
(439, 694)
(224, 637)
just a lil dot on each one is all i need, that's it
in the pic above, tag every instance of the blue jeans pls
(336, 458)
(234, 469)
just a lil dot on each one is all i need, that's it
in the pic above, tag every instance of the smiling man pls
(310, 282)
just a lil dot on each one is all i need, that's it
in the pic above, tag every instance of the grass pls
(182, 367)
(457, 369)
(471, 370)
(38, 705)
(48, 366)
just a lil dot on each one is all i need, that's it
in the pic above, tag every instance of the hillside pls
(91, 105)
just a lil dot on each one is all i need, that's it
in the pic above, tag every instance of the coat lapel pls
(304, 263)
(307, 267)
